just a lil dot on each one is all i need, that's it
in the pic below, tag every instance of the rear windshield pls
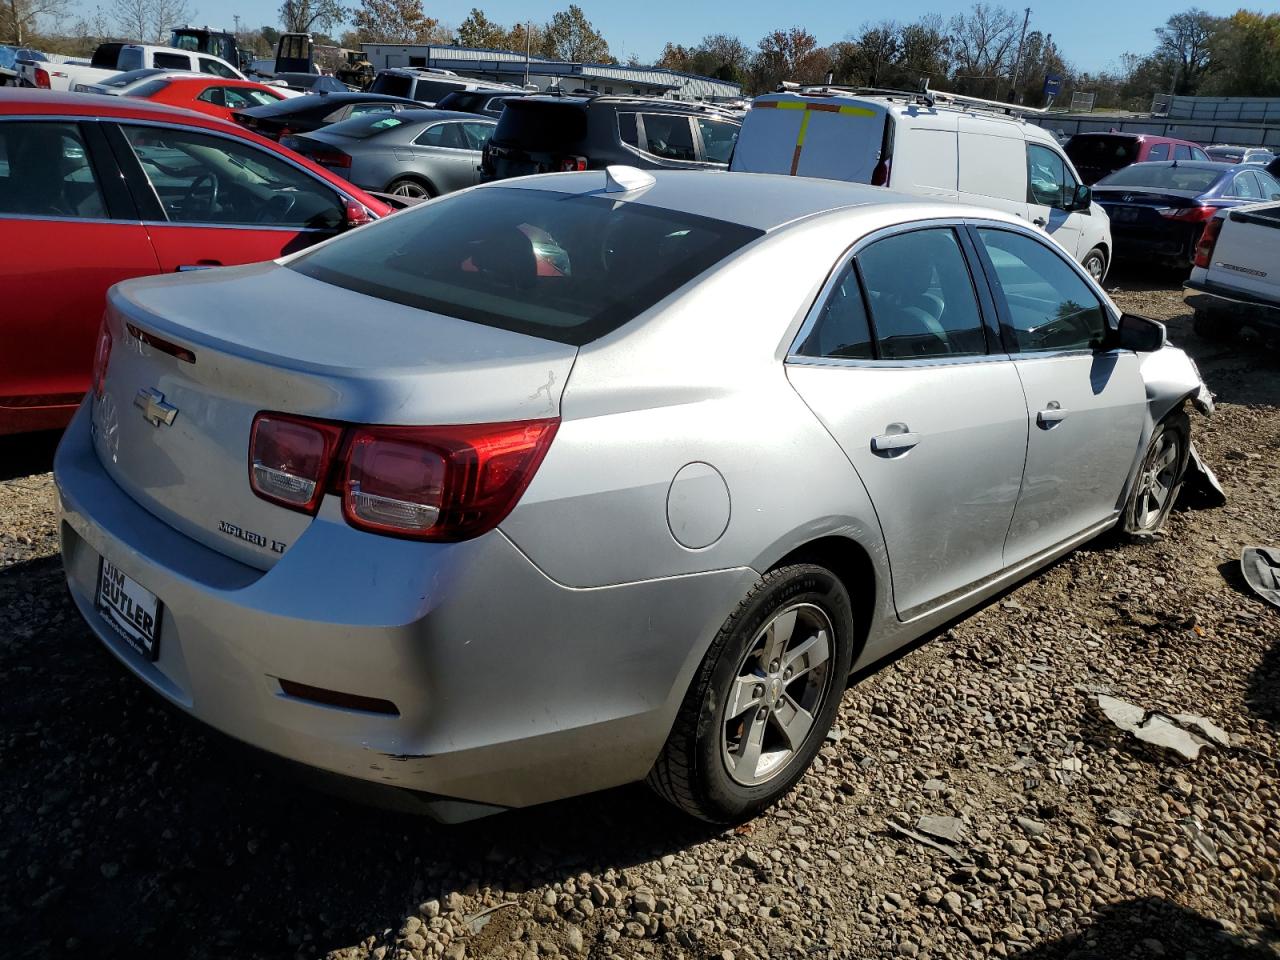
(392, 84)
(564, 267)
(541, 126)
(433, 90)
(148, 89)
(463, 102)
(366, 125)
(1166, 176)
(1102, 151)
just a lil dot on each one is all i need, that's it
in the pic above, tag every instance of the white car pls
(113, 58)
(932, 145)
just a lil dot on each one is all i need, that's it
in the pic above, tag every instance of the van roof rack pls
(923, 96)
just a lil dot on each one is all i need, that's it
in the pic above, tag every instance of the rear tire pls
(411, 188)
(742, 739)
(1159, 476)
(1095, 264)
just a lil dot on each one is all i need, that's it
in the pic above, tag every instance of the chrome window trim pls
(828, 286)
(44, 218)
(346, 197)
(186, 225)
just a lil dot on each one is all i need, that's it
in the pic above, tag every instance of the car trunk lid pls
(1134, 206)
(173, 429)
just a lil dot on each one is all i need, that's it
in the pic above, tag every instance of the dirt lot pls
(128, 830)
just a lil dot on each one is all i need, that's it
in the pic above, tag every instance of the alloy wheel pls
(407, 188)
(1157, 481)
(778, 689)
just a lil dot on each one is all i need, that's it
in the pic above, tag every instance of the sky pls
(1091, 34)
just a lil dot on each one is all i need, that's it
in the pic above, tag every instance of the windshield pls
(1102, 151)
(532, 125)
(565, 267)
(1163, 176)
(392, 84)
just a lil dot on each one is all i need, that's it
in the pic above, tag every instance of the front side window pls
(217, 68)
(1048, 181)
(921, 296)
(200, 178)
(1246, 187)
(569, 268)
(131, 59)
(668, 137)
(1181, 152)
(215, 95)
(1270, 186)
(718, 139)
(1050, 306)
(45, 172)
(842, 330)
(1198, 154)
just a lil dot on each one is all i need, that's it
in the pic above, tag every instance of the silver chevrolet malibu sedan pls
(576, 480)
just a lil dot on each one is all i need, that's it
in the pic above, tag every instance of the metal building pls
(510, 67)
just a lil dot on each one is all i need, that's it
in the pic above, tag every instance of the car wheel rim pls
(777, 692)
(1094, 266)
(409, 190)
(1155, 486)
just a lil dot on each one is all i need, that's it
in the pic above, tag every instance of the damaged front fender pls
(1171, 378)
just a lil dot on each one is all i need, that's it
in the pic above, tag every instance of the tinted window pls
(565, 267)
(842, 330)
(433, 90)
(627, 129)
(541, 125)
(148, 89)
(392, 84)
(441, 135)
(1103, 150)
(358, 108)
(131, 59)
(718, 139)
(921, 296)
(1050, 305)
(1048, 181)
(217, 68)
(206, 179)
(45, 172)
(369, 125)
(667, 136)
(1160, 175)
(171, 61)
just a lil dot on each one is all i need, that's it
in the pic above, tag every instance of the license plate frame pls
(133, 611)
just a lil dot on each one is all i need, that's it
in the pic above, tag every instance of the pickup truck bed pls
(1236, 283)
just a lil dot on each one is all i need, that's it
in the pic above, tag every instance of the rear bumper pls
(511, 689)
(1233, 305)
(1173, 245)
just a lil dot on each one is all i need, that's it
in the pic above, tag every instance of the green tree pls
(879, 46)
(477, 30)
(570, 36)
(1245, 53)
(1184, 42)
(396, 21)
(303, 16)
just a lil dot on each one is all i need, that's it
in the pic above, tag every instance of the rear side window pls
(718, 139)
(1181, 153)
(569, 268)
(627, 129)
(669, 137)
(842, 330)
(1246, 186)
(921, 296)
(217, 69)
(45, 172)
(172, 61)
(541, 126)
(392, 84)
(441, 135)
(1158, 151)
(1050, 305)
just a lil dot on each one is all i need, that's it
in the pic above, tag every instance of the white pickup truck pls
(1235, 282)
(112, 58)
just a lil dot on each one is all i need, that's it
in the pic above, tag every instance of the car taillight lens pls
(42, 78)
(289, 459)
(573, 164)
(101, 357)
(429, 483)
(330, 158)
(441, 483)
(1208, 240)
(880, 175)
(1196, 214)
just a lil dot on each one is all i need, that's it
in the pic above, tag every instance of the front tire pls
(1159, 477)
(763, 699)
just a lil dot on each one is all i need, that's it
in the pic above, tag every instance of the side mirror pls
(1082, 199)
(1139, 334)
(357, 215)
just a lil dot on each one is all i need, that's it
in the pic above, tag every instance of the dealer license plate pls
(131, 608)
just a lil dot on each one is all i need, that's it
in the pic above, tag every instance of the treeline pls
(984, 52)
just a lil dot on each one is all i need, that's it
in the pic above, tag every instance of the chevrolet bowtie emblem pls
(151, 402)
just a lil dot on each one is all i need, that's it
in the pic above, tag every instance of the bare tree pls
(148, 21)
(19, 18)
(982, 41)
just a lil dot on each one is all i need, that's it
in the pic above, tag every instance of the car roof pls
(763, 201)
(36, 102)
(1220, 165)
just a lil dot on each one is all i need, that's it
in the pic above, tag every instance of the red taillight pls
(880, 175)
(289, 459)
(441, 483)
(429, 483)
(1208, 240)
(1196, 214)
(573, 164)
(332, 158)
(42, 78)
(101, 357)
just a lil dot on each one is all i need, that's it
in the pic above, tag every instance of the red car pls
(216, 96)
(1096, 155)
(94, 190)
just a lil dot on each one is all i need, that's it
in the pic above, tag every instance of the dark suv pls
(483, 103)
(557, 133)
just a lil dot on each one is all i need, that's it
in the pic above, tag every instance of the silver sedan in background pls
(414, 153)
(581, 479)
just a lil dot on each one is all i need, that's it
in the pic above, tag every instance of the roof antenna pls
(619, 178)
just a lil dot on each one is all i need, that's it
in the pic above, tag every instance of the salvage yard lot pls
(128, 830)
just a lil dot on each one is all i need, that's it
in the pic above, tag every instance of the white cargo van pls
(933, 145)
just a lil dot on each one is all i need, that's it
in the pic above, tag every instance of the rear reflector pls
(335, 698)
(573, 164)
(1208, 240)
(289, 459)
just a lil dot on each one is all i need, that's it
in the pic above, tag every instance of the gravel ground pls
(129, 830)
